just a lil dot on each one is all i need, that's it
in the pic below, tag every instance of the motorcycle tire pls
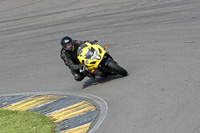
(121, 71)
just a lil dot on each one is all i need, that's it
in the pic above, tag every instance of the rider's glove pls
(92, 42)
(96, 41)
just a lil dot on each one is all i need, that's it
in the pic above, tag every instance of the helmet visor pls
(68, 46)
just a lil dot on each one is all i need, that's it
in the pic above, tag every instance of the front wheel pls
(121, 71)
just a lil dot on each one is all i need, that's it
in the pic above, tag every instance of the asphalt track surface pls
(156, 41)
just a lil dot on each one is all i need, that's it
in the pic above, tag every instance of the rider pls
(69, 56)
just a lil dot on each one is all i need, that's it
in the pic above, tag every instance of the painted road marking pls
(72, 114)
(72, 111)
(80, 129)
(32, 102)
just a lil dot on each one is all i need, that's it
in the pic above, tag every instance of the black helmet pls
(67, 43)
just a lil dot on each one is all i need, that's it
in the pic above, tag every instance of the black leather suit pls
(70, 59)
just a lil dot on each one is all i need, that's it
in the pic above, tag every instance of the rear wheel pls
(121, 71)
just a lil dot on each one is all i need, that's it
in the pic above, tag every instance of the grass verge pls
(24, 122)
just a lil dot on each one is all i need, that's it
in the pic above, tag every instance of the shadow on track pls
(101, 80)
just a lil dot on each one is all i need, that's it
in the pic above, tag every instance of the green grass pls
(25, 122)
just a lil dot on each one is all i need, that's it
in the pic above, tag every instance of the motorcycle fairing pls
(91, 55)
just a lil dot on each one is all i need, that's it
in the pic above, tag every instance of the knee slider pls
(78, 77)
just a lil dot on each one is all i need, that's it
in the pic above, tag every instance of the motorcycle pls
(97, 61)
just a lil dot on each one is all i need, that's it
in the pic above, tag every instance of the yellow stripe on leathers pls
(33, 102)
(80, 129)
(72, 111)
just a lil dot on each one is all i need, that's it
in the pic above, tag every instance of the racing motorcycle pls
(97, 61)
